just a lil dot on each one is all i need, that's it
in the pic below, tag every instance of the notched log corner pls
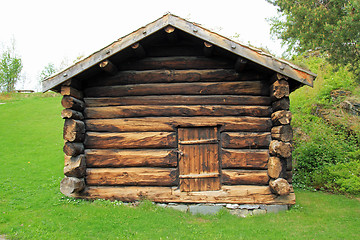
(71, 185)
(280, 187)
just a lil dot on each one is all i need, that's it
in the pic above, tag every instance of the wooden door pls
(199, 159)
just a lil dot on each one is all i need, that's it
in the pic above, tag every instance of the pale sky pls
(50, 30)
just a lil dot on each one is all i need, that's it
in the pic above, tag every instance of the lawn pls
(32, 207)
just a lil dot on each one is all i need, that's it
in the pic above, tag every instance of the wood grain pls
(245, 140)
(245, 158)
(244, 177)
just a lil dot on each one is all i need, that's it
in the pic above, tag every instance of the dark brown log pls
(280, 187)
(138, 50)
(171, 33)
(245, 158)
(274, 167)
(278, 148)
(71, 185)
(71, 114)
(170, 123)
(208, 49)
(176, 63)
(288, 176)
(283, 133)
(176, 110)
(240, 64)
(70, 91)
(282, 104)
(74, 130)
(73, 149)
(281, 117)
(72, 103)
(288, 163)
(208, 88)
(245, 140)
(175, 76)
(245, 177)
(245, 194)
(130, 140)
(132, 176)
(75, 166)
(279, 89)
(179, 100)
(278, 76)
(75, 83)
(108, 67)
(130, 158)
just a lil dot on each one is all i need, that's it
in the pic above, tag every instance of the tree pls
(330, 26)
(48, 70)
(10, 69)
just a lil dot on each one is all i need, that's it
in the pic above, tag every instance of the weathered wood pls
(132, 176)
(76, 167)
(244, 177)
(179, 100)
(283, 133)
(274, 167)
(72, 103)
(279, 89)
(279, 148)
(138, 50)
(70, 91)
(245, 140)
(208, 49)
(280, 187)
(74, 130)
(281, 117)
(75, 83)
(71, 185)
(288, 163)
(171, 33)
(71, 114)
(282, 104)
(278, 76)
(73, 149)
(257, 88)
(240, 64)
(245, 158)
(245, 124)
(174, 76)
(176, 110)
(130, 140)
(130, 158)
(108, 67)
(176, 63)
(245, 194)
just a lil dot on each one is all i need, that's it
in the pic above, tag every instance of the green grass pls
(31, 206)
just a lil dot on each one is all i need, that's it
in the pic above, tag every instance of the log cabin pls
(174, 112)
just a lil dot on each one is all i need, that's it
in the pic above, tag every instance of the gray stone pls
(274, 208)
(258, 211)
(179, 207)
(249, 206)
(232, 206)
(204, 209)
(240, 212)
(163, 205)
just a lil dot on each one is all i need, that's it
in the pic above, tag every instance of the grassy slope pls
(31, 206)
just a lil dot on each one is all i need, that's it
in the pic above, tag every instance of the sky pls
(52, 31)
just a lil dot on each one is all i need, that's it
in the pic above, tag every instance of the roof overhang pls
(253, 54)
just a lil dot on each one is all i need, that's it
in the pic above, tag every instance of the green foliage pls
(48, 70)
(10, 69)
(329, 26)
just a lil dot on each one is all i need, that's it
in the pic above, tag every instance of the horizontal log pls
(132, 176)
(174, 76)
(240, 64)
(176, 110)
(244, 177)
(179, 100)
(138, 50)
(274, 167)
(281, 117)
(245, 140)
(245, 158)
(75, 166)
(73, 148)
(283, 133)
(171, 123)
(200, 88)
(279, 148)
(279, 89)
(70, 91)
(74, 130)
(72, 103)
(282, 104)
(71, 185)
(208, 49)
(130, 140)
(171, 33)
(244, 194)
(108, 67)
(130, 158)
(280, 187)
(71, 114)
(176, 63)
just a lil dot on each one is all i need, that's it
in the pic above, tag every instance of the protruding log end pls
(73, 149)
(274, 167)
(208, 49)
(71, 185)
(279, 89)
(71, 114)
(75, 167)
(74, 130)
(171, 33)
(282, 104)
(240, 64)
(281, 117)
(138, 50)
(108, 67)
(283, 133)
(280, 187)
(278, 148)
(72, 103)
